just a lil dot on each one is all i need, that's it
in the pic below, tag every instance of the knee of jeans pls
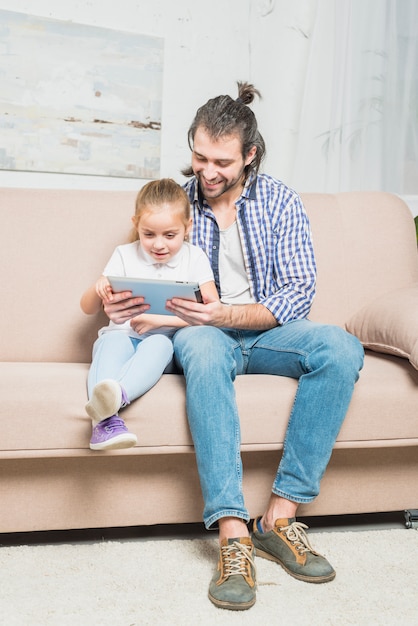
(106, 341)
(197, 343)
(161, 344)
(355, 351)
(342, 349)
(197, 338)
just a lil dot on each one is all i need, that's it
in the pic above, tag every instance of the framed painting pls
(78, 99)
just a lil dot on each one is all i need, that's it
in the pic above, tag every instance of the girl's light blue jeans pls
(134, 363)
(325, 359)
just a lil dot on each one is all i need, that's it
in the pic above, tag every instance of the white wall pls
(206, 50)
(208, 46)
(201, 40)
(280, 39)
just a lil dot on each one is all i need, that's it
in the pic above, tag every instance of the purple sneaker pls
(106, 399)
(111, 434)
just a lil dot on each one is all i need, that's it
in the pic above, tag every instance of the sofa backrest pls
(55, 243)
(365, 246)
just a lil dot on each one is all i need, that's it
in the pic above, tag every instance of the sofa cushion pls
(390, 324)
(43, 410)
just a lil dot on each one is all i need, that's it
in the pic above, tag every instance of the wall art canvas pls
(78, 99)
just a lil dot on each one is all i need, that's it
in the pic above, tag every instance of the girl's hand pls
(119, 307)
(147, 322)
(124, 307)
(104, 290)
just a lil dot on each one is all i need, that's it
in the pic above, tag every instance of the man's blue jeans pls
(325, 359)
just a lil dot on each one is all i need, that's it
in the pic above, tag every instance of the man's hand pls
(238, 316)
(196, 314)
(123, 307)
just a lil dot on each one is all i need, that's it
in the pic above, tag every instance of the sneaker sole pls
(105, 401)
(232, 606)
(117, 443)
(306, 579)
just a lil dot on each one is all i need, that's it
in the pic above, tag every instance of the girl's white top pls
(189, 264)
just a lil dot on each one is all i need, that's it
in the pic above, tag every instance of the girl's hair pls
(156, 193)
(223, 116)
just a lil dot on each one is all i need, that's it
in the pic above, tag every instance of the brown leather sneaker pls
(288, 545)
(233, 585)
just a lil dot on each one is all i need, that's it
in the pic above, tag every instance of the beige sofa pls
(54, 244)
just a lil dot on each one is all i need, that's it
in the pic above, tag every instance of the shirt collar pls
(250, 187)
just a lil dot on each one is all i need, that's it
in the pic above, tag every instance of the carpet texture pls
(155, 582)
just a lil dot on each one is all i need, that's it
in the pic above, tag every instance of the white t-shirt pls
(189, 264)
(235, 287)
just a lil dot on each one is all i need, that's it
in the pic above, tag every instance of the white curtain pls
(359, 117)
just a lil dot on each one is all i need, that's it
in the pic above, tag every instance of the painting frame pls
(79, 99)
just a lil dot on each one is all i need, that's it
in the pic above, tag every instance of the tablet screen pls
(156, 292)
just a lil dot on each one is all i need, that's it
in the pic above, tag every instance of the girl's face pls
(162, 230)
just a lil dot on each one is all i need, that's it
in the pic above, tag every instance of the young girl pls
(129, 358)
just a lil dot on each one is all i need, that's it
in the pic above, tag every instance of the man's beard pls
(223, 186)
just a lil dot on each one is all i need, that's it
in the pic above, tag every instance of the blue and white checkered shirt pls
(276, 242)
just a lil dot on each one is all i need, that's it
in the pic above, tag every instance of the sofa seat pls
(56, 424)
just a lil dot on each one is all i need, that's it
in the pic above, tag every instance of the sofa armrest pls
(390, 324)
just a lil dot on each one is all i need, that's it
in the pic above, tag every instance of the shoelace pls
(117, 422)
(295, 533)
(235, 558)
(124, 400)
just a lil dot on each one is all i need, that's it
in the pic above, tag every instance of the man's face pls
(218, 164)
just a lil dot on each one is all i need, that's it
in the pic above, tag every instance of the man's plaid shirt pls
(276, 242)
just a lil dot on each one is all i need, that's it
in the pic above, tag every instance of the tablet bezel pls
(156, 292)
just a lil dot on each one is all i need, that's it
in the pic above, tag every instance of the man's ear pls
(250, 155)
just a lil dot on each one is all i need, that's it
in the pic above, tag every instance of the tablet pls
(156, 292)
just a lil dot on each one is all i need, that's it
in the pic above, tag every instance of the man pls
(257, 236)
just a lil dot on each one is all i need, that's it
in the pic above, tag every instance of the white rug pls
(156, 582)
